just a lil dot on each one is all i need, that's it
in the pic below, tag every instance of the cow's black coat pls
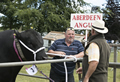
(7, 53)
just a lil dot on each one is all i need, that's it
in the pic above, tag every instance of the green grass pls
(110, 70)
(45, 68)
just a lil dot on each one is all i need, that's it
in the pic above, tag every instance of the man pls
(96, 55)
(66, 46)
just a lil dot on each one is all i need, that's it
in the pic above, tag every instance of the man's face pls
(70, 35)
(92, 32)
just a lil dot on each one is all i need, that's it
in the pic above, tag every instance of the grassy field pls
(45, 68)
(110, 70)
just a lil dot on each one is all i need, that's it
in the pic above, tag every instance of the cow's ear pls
(18, 35)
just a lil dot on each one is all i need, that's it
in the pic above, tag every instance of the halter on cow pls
(33, 51)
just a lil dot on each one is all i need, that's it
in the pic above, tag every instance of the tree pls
(113, 20)
(8, 9)
(43, 15)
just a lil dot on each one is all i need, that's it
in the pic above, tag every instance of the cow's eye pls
(29, 42)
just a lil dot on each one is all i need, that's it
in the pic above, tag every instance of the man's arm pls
(91, 69)
(56, 52)
(81, 54)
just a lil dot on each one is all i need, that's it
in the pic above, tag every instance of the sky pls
(96, 2)
(1, 14)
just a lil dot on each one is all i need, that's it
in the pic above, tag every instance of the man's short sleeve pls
(53, 46)
(93, 52)
(81, 48)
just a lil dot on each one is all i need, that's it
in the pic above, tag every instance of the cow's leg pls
(8, 74)
(15, 72)
(12, 80)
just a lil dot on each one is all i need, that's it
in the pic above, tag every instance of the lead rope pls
(47, 76)
(16, 50)
(34, 52)
(66, 74)
(75, 60)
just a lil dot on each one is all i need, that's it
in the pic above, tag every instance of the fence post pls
(79, 75)
(115, 60)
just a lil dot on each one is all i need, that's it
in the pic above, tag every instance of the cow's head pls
(34, 41)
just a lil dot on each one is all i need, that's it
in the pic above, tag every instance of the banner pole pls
(86, 37)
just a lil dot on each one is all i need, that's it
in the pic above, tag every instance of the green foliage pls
(29, 17)
(42, 15)
(112, 18)
(8, 10)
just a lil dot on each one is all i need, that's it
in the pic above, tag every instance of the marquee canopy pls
(54, 35)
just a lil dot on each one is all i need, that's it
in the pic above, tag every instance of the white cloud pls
(93, 3)
(1, 14)
(0, 25)
(96, 2)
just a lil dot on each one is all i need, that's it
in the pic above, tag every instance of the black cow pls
(30, 38)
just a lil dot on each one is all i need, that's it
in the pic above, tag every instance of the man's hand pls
(61, 53)
(86, 80)
(79, 70)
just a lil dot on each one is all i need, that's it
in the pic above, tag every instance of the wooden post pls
(86, 37)
(115, 60)
(79, 75)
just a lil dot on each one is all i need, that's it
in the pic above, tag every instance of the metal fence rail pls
(114, 64)
(33, 76)
(9, 64)
(111, 64)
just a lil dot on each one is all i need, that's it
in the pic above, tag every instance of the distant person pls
(66, 46)
(96, 55)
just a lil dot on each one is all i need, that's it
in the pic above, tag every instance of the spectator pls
(66, 46)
